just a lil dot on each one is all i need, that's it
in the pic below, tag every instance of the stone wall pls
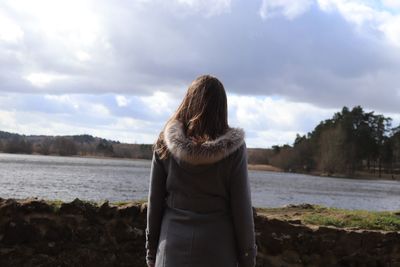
(34, 233)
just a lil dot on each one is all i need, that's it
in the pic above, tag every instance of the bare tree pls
(64, 146)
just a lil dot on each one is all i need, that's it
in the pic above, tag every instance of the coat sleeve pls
(241, 209)
(155, 207)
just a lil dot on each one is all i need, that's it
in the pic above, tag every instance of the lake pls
(67, 178)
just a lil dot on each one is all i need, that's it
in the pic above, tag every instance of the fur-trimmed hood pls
(182, 148)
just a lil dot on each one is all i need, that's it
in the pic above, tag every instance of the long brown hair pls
(203, 113)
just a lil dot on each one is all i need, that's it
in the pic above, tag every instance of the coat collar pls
(182, 148)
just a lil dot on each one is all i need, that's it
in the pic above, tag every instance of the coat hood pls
(182, 148)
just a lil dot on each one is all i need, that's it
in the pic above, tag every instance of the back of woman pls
(199, 206)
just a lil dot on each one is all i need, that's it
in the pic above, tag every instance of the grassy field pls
(341, 218)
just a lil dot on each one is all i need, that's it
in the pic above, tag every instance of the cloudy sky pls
(118, 69)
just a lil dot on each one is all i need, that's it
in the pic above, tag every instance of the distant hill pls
(7, 135)
(69, 145)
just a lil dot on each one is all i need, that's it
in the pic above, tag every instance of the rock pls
(129, 211)
(143, 208)
(106, 211)
(74, 207)
(20, 232)
(8, 207)
(300, 206)
(291, 257)
(87, 234)
(58, 233)
(138, 232)
(122, 231)
(78, 206)
(37, 206)
(294, 221)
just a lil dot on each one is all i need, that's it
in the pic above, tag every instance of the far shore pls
(362, 175)
(263, 167)
(77, 156)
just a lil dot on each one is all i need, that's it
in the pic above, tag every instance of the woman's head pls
(203, 112)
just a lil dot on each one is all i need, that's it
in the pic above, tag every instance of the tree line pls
(349, 142)
(86, 145)
(81, 145)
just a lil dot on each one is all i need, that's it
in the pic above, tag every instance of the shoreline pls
(263, 167)
(359, 175)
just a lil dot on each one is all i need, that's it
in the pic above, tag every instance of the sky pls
(119, 69)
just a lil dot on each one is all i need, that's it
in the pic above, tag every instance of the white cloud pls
(54, 37)
(59, 98)
(70, 19)
(353, 11)
(270, 138)
(366, 16)
(82, 56)
(40, 79)
(160, 103)
(98, 109)
(208, 7)
(362, 13)
(161, 50)
(126, 64)
(290, 9)
(9, 30)
(264, 113)
(63, 100)
(391, 28)
(273, 121)
(8, 121)
(122, 101)
(391, 3)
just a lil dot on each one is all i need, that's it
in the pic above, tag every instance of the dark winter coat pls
(199, 206)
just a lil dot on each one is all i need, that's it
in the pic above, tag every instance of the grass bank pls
(340, 218)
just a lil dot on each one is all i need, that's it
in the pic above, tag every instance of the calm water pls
(66, 178)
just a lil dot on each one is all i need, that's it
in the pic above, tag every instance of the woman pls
(199, 208)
